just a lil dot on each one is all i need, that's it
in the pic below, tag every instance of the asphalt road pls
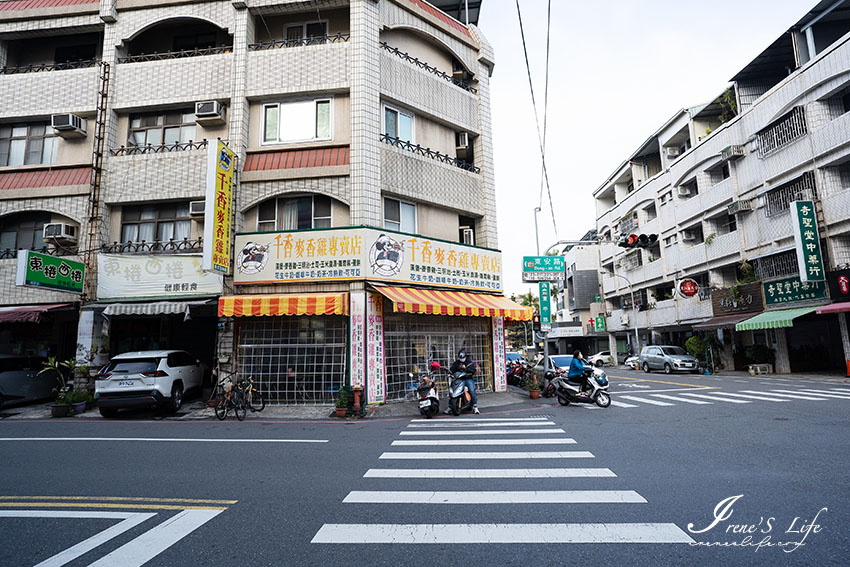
(748, 477)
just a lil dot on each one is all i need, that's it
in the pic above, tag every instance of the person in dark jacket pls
(464, 363)
(577, 368)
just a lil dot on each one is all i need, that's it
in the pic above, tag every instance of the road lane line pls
(818, 394)
(139, 551)
(490, 473)
(564, 441)
(665, 382)
(679, 399)
(174, 440)
(843, 393)
(488, 455)
(485, 432)
(484, 419)
(495, 497)
(464, 423)
(794, 397)
(646, 401)
(501, 533)
(120, 499)
(717, 398)
(622, 404)
(761, 398)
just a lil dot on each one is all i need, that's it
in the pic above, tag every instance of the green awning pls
(774, 319)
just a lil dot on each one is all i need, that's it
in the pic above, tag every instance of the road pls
(718, 470)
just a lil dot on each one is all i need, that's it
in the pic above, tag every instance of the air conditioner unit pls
(732, 153)
(59, 233)
(209, 112)
(468, 236)
(196, 208)
(68, 125)
(674, 152)
(736, 207)
(462, 140)
(624, 319)
(689, 235)
(684, 190)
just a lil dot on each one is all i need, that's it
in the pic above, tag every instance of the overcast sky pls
(618, 70)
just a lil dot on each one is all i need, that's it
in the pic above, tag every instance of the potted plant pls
(61, 407)
(77, 399)
(533, 387)
(343, 397)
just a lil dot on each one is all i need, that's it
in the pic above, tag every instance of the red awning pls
(724, 321)
(834, 308)
(26, 313)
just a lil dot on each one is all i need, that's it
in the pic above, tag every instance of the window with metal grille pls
(413, 341)
(776, 265)
(632, 262)
(778, 200)
(294, 360)
(782, 132)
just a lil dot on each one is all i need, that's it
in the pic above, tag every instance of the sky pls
(618, 69)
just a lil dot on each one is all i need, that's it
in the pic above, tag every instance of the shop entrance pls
(167, 332)
(814, 344)
(411, 342)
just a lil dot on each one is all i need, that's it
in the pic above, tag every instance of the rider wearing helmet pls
(464, 363)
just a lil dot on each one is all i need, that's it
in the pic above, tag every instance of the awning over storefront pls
(27, 313)
(723, 321)
(773, 319)
(834, 308)
(283, 304)
(434, 302)
(152, 308)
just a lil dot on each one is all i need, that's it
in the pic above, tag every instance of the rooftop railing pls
(422, 65)
(429, 153)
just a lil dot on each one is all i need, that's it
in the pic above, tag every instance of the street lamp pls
(634, 307)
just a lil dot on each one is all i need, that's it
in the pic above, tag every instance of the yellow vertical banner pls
(218, 210)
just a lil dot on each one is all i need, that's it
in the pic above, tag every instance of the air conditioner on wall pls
(732, 153)
(684, 190)
(196, 208)
(674, 152)
(209, 112)
(624, 319)
(462, 140)
(59, 233)
(468, 236)
(689, 235)
(68, 125)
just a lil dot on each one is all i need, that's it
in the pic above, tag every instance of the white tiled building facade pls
(714, 184)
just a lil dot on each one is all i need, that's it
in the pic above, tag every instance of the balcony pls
(664, 314)
(706, 200)
(606, 251)
(9, 253)
(728, 244)
(428, 68)
(308, 67)
(653, 270)
(41, 93)
(782, 132)
(691, 256)
(180, 174)
(170, 246)
(609, 285)
(694, 310)
(429, 153)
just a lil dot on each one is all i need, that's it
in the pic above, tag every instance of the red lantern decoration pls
(844, 284)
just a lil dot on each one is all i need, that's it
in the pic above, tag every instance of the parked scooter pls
(516, 372)
(571, 392)
(427, 393)
(460, 399)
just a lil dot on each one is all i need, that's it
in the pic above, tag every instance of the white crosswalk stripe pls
(469, 423)
(645, 401)
(795, 396)
(622, 404)
(817, 394)
(751, 397)
(495, 497)
(716, 398)
(844, 392)
(679, 399)
(489, 473)
(477, 442)
(486, 419)
(485, 432)
(488, 455)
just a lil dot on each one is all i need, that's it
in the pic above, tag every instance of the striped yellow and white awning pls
(283, 304)
(435, 302)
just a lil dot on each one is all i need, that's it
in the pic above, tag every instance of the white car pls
(146, 379)
(604, 357)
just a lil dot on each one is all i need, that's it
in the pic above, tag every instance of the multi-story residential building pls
(716, 183)
(364, 201)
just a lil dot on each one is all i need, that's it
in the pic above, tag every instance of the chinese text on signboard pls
(42, 270)
(807, 241)
(218, 209)
(542, 268)
(791, 290)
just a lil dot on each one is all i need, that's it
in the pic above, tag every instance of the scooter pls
(459, 397)
(516, 372)
(427, 393)
(570, 392)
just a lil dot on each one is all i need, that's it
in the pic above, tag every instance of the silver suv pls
(667, 358)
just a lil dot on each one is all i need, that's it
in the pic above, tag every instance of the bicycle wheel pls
(221, 406)
(240, 408)
(256, 400)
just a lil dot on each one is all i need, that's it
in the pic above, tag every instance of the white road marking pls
(130, 520)
(501, 533)
(741, 381)
(484, 455)
(489, 473)
(563, 441)
(139, 551)
(465, 423)
(495, 497)
(174, 440)
(482, 419)
(485, 432)
(818, 394)
(717, 398)
(622, 404)
(842, 392)
(793, 397)
(761, 398)
(678, 399)
(646, 401)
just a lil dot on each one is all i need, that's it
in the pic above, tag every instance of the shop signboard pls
(218, 209)
(744, 298)
(543, 269)
(376, 389)
(149, 276)
(563, 331)
(500, 370)
(356, 336)
(51, 272)
(600, 323)
(807, 241)
(839, 285)
(362, 253)
(791, 290)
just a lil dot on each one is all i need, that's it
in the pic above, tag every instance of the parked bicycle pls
(253, 397)
(230, 396)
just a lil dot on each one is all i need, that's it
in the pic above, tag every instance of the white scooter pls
(570, 392)
(427, 393)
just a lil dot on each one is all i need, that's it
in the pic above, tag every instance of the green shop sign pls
(545, 304)
(791, 290)
(42, 270)
(807, 241)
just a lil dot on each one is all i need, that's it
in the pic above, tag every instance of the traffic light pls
(629, 241)
(535, 323)
(637, 240)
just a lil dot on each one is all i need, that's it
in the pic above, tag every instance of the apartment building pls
(716, 184)
(364, 203)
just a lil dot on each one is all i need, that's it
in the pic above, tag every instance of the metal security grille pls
(782, 132)
(801, 189)
(413, 341)
(294, 360)
(777, 265)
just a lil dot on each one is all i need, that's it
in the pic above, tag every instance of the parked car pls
(560, 361)
(513, 357)
(633, 362)
(667, 358)
(151, 378)
(602, 358)
(20, 380)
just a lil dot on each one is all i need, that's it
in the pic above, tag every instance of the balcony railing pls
(301, 42)
(145, 247)
(10, 253)
(44, 67)
(159, 149)
(428, 152)
(783, 132)
(176, 54)
(422, 65)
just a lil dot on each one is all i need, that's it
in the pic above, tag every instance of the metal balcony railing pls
(145, 247)
(301, 42)
(783, 132)
(428, 152)
(176, 54)
(159, 149)
(44, 67)
(10, 253)
(422, 65)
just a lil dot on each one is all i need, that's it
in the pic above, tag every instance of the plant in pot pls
(61, 407)
(533, 387)
(77, 399)
(343, 398)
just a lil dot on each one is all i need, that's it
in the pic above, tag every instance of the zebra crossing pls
(708, 397)
(429, 466)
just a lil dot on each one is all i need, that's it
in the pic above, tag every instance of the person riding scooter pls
(577, 370)
(464, 363)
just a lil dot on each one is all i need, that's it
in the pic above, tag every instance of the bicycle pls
(254, 399)
(230, 396)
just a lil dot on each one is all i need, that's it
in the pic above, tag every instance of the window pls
(651, 213)
(167, 128)
(297, 121)
(779, 200)
(23, 231)
(666, 198)
(398, 124)
(294, 213)
(74, 53)
(27, 144)
(155, 223)
(776, 265)
(671, 240)
(399, 216)
(194, 41)
(306, 30)
(782, 132)
(719, 174)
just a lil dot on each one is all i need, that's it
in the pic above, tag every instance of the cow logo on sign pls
(386, 256)
(253, 258)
